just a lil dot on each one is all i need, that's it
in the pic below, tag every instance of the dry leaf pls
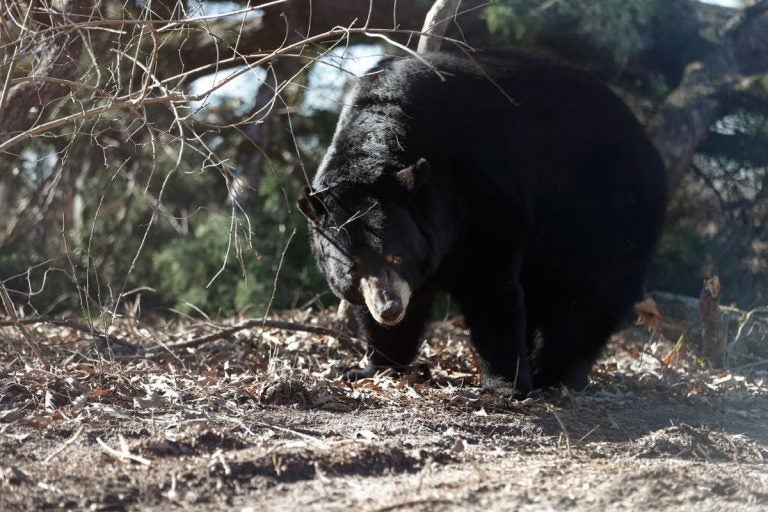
(648, 314)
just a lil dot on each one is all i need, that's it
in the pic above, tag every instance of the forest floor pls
(263, 420)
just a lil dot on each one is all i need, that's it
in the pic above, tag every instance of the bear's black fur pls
(522, 186)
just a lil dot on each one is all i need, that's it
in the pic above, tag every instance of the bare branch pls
(347, 341)
(77, 326)
(58, 60)
(11, 312)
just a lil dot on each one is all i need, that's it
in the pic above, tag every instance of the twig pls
(75, 86)
(125, 454)
(132, 101)
(698, 171)
(274, 282)
(591, 431)
(72, 325)
(220, 456)
(745, 322)
(5, 93)
(408, 50)
(64, 446)
(347, 341)
(749, 365)
(564, 430)
(418, 501)
(11, 311)
(292, 432)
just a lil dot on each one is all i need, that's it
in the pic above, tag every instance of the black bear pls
(520, 185)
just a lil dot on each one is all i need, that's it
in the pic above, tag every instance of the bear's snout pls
(391, 311)
(386, 297)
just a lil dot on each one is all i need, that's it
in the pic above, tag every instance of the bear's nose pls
(391, 310)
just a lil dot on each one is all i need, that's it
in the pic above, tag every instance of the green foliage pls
(229, 260)
(687, 254)
(615, 26)
(514, 21)
(228, 263)
(681, 257)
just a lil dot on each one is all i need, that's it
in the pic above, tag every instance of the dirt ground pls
(263, 420)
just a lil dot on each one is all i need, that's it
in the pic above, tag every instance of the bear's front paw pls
(361, 373)
(575, 377)
(504, 386)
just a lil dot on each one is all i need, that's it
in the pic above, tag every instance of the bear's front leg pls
(497, 319)
(393, 346)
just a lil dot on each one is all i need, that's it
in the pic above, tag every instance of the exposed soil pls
(265, 421)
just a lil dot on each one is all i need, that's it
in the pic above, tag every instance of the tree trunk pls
(440, 15)
(690, 110)
(713, 332)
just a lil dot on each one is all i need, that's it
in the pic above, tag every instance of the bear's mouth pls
(386, 297)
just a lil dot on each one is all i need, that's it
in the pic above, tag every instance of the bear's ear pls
(309, 205)
(414, 176)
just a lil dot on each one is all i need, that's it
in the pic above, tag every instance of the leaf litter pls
(155, 415)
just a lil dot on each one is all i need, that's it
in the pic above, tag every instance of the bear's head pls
(367, 240)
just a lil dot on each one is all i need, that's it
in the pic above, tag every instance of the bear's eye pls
(393, 260)
(356, 268)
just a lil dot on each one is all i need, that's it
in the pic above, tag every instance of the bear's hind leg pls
(572, 341)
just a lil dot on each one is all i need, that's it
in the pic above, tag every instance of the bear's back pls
(533, 144)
